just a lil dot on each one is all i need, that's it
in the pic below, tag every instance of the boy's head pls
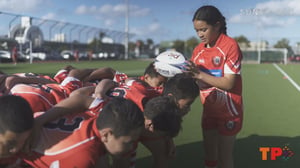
(120, 123)
(184, 89)
(162, 115)
(16, 122)
(152, 77)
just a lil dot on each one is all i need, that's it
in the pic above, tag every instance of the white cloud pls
(154, 27)
(111, 14)
(109, 22)
(154, 31)
(242, 19)
(151, 29)
(266, 21)
(20, 6)
(137, 11)
(50, 16)
(272, 13)
(279, 8)
(82, 9)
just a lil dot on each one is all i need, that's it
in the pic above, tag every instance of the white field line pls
(288, 77)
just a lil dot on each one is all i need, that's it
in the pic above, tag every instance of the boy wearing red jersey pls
(60, 142)
(41, 97)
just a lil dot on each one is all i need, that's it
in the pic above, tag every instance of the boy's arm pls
(86, 91)
(70, 105)
(103, 87)
(101, 73)
(13, 80)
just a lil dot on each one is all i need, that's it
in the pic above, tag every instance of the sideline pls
(288, 77)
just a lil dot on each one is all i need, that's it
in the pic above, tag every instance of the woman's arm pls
(225, 83)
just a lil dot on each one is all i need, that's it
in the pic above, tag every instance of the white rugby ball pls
(170, 63)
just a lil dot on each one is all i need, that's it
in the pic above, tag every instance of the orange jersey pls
(135, 91)
(158, 88)
(71, 141)
(30, 74)
(224, 58)
(61, 75)
(43, 97)
(120, 77)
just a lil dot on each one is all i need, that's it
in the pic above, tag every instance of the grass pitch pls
(271, 113)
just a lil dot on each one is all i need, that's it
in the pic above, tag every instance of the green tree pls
(191, 43)
(243, 41)
(149, 42)
(179, 45)
(284, 43)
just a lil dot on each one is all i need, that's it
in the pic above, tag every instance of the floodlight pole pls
(126, 30)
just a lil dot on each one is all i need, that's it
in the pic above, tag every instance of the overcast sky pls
(162, 20)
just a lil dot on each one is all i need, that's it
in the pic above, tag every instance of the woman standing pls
(216, 64)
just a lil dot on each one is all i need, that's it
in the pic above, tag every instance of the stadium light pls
(126, 29)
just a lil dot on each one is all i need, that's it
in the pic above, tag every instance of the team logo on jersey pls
(230, 125)
(217, 60)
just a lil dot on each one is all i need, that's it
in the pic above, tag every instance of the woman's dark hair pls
(211, 15)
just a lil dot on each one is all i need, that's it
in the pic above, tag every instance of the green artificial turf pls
(271, 113)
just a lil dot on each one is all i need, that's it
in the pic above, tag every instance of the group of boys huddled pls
(91, 117)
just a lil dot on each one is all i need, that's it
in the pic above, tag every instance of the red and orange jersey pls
(42, 97)
(70, 141)
(224, 58)
(136, 91)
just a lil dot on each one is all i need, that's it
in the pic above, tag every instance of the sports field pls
(271, 116)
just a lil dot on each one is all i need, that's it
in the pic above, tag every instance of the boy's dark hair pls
(164, 114)
(150, 70)
(16, 114)
(121, 115)
(181, 86)
(211, 15)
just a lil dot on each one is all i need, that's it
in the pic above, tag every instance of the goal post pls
(265, 55)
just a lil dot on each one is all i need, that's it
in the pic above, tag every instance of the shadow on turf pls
(247, 154)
